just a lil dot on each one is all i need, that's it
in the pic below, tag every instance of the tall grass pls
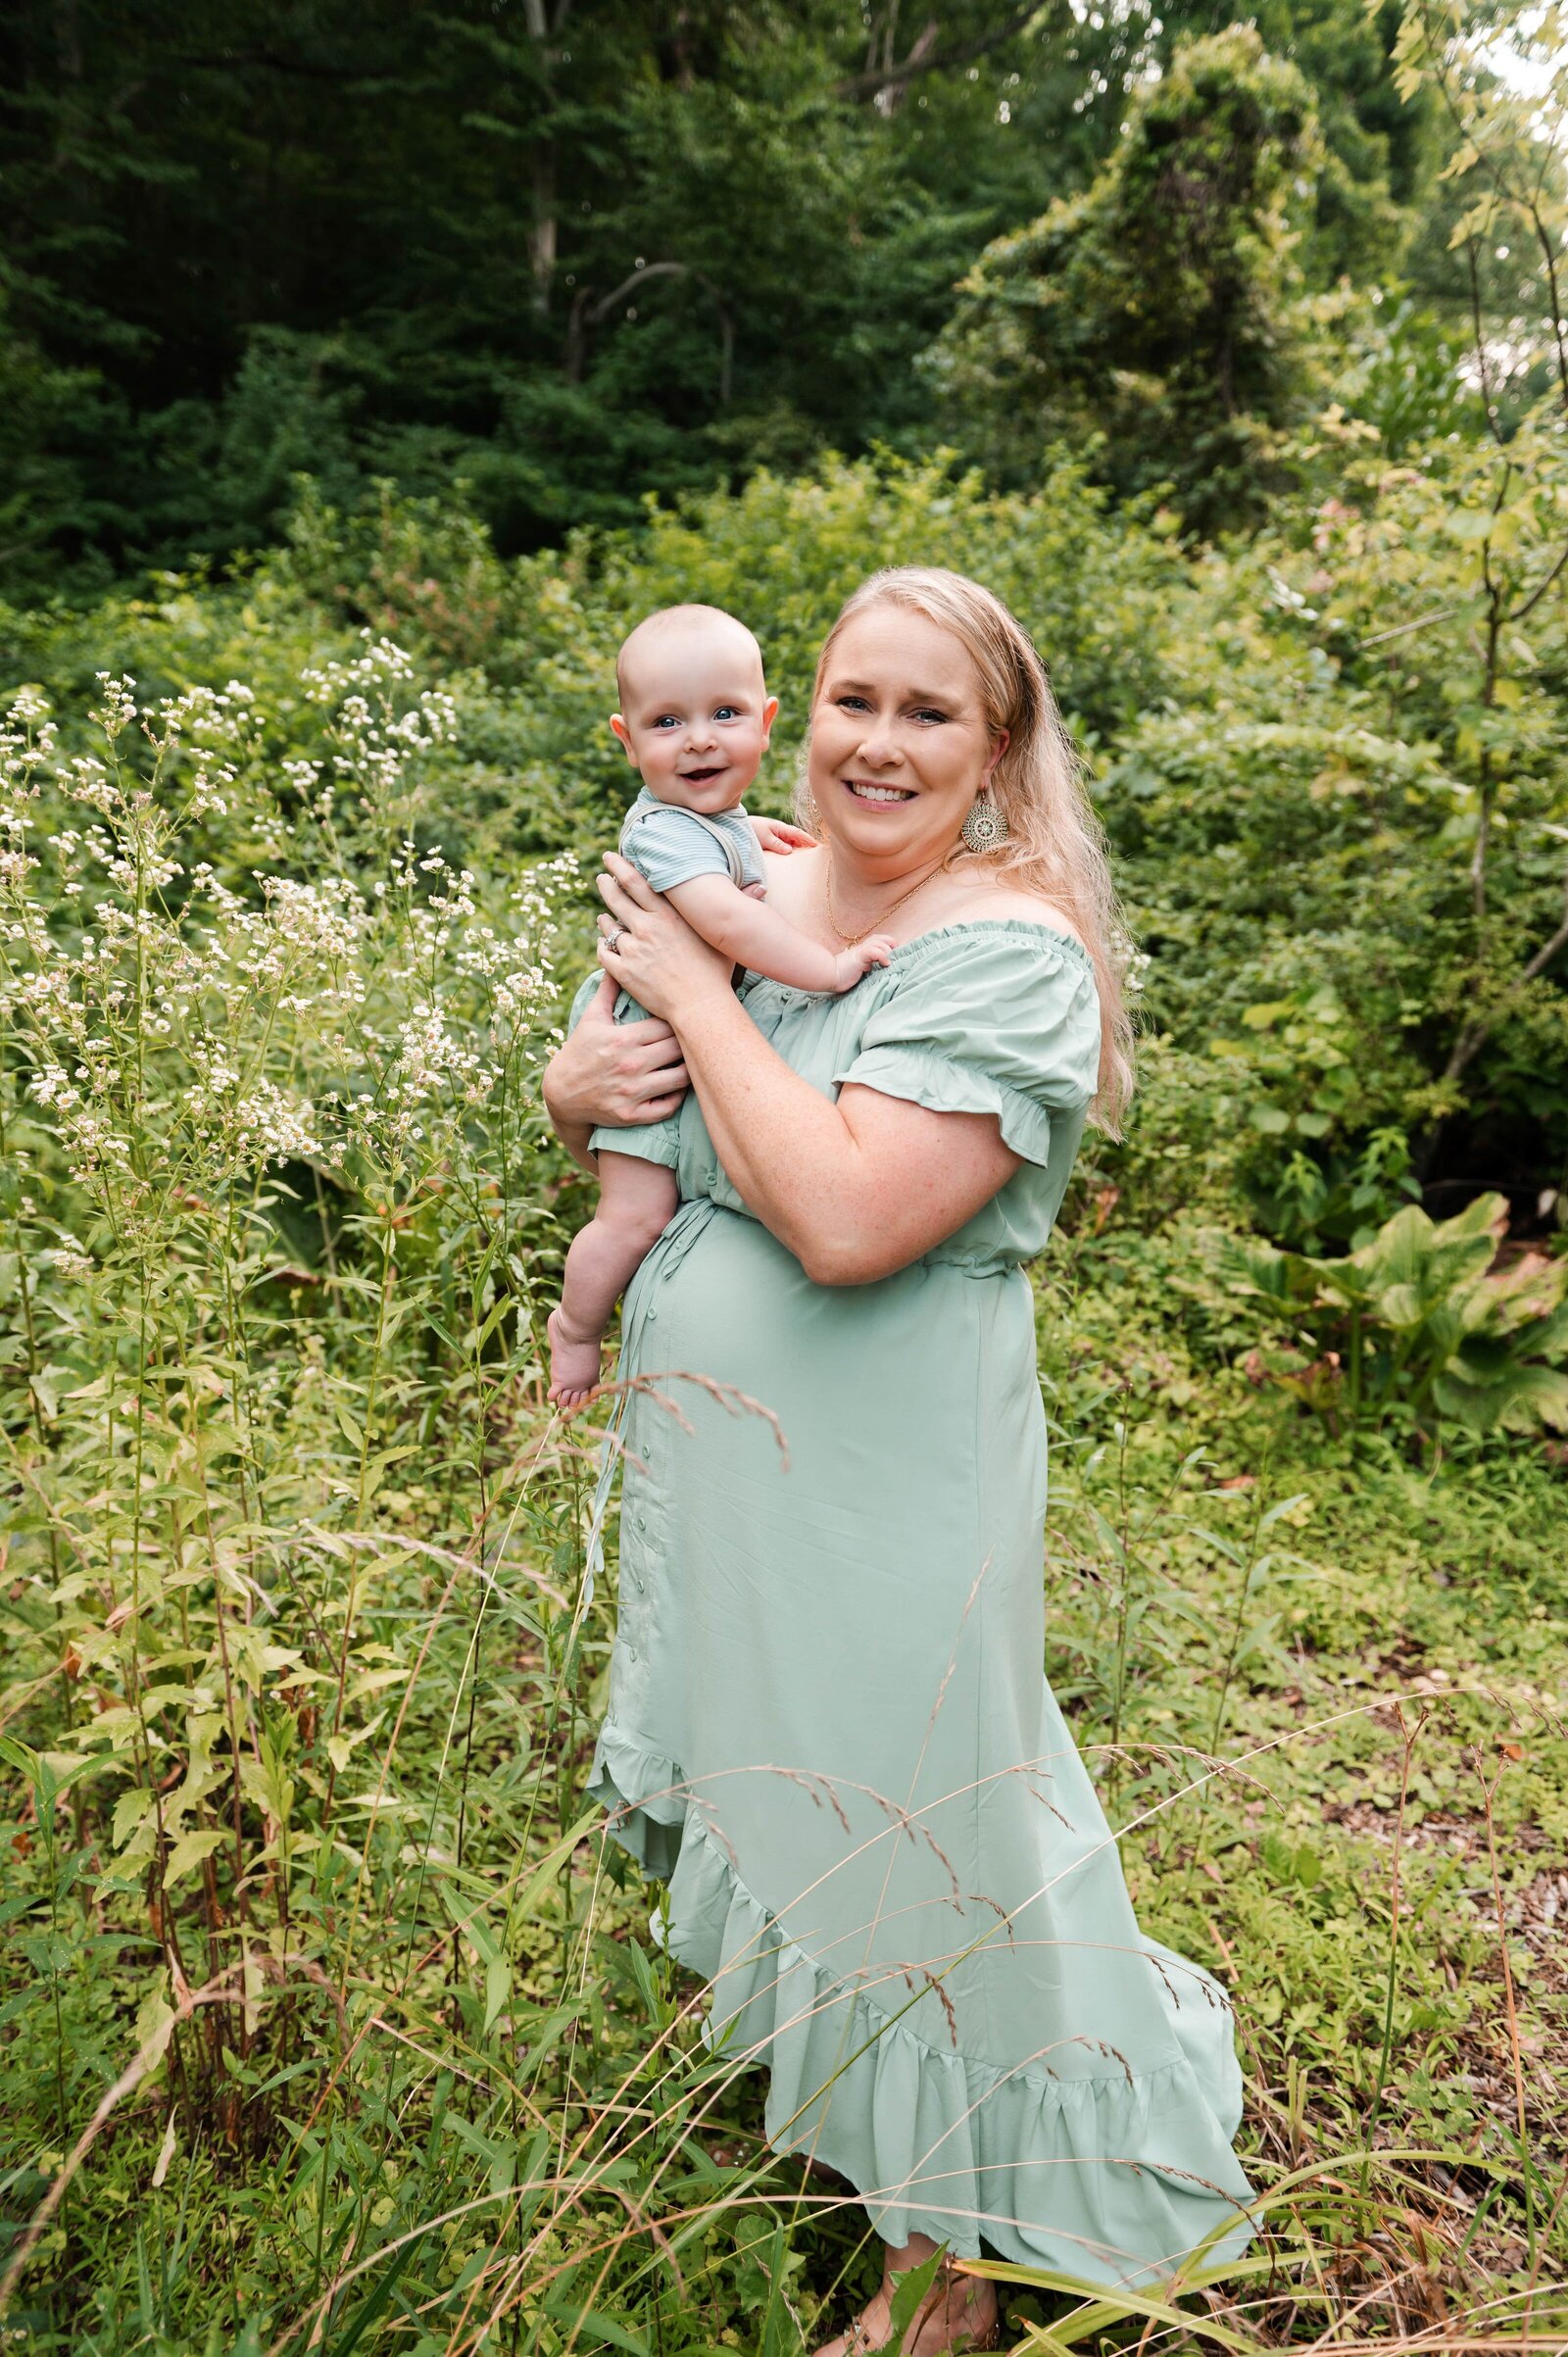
(328, 2020)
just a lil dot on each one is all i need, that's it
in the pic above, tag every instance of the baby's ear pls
(770, 714)
(618, 725)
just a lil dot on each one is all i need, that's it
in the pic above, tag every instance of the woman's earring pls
(810, 815)
(984, 828)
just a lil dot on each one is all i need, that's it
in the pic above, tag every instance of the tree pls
(1158, 311)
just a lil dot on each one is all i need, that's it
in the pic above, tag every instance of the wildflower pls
(119, 706)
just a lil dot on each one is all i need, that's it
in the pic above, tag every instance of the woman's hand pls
(616, 1073)
(650, 950)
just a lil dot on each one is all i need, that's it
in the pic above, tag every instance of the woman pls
(828, 1725)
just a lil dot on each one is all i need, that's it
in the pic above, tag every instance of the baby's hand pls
(851, 964)
(776, 835)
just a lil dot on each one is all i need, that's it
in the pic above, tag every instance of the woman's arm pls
(854, 1190)
(616, 1073)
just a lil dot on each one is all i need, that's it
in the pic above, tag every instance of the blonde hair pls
(1056, 845)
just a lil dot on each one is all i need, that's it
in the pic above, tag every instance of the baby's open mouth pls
(864, 790)
(700, 778)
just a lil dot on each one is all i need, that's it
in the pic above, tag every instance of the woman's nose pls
(880, 748)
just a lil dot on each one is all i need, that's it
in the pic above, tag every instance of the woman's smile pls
(866, 789)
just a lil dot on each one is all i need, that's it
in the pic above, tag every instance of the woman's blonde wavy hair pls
(1056, 845)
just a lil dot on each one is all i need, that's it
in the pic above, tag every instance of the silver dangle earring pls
(984, 828)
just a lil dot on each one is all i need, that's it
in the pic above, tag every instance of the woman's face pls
(900, 742)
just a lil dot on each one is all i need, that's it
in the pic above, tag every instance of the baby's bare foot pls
(573, 1363)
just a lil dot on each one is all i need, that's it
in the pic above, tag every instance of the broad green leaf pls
(189, 1851)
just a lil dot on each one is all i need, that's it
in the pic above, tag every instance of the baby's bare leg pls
(636, 1204)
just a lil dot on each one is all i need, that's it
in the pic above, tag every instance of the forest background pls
(365, 374)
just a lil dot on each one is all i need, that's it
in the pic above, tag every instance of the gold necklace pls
(852, 941)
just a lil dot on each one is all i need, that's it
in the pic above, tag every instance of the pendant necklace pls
(852, 941)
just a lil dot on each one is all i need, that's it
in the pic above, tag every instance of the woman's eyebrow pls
(906, 695)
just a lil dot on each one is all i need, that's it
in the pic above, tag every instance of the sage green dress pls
(829, 1725)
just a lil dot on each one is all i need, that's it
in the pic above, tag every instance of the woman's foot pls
(573, 1363)
(958, 2313)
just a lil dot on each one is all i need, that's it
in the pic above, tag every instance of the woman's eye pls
(929, 711)
(854, 703)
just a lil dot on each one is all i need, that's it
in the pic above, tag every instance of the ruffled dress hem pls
(1047, 2170)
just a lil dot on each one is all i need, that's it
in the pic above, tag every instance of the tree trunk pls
(544, 228)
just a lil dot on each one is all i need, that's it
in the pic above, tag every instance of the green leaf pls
(910, 2291)
(593, 2320)
(496, 1989)
(187, 1854)
(376, 2302)
(129, 1810)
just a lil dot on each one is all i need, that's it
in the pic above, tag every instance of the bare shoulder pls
(997, 905)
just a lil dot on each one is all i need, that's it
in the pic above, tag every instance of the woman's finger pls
(651, 1039)
(617, 899)
(631, 879)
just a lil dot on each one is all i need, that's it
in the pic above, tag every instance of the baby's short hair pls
(672, 620)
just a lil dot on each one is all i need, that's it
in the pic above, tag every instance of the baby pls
(694, 719)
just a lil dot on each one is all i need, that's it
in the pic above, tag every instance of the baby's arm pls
(756, 936)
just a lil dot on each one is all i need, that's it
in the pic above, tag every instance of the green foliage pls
(1153, 311)
(1302, 788)
(1418, 1325)
(300, 1890)
(571, 257)
(324, 2013)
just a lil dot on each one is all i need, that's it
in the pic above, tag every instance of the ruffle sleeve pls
(991, 1018)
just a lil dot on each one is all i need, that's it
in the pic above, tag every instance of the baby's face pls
(697, 718)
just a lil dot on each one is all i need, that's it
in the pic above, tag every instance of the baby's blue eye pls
(727, 712)
(668, 720)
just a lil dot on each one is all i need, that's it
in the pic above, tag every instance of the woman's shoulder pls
(1001, 905)
(1000, 945)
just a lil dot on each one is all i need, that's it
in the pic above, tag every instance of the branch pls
(1549, 258)
(1380, 638)
(1494, 422)
(600, 311)
(1474, 1035)
(588, 315)
(1549, 949)
(1536, 595)
(925, 58)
